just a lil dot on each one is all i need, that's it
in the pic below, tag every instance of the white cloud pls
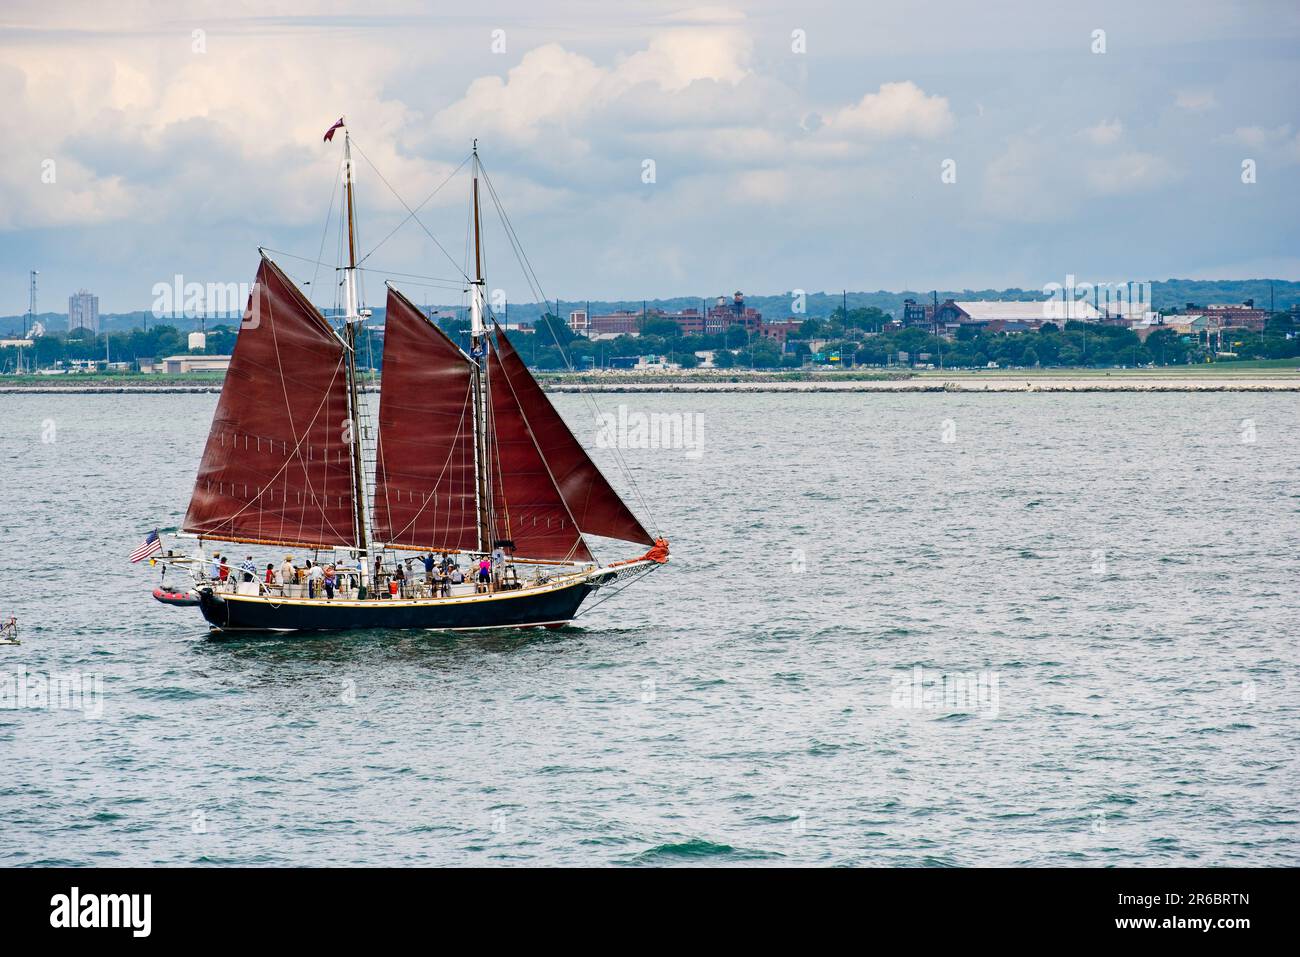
(895, 110)
(553, 87)
(140, 133)
(549, 84)
(675, 60)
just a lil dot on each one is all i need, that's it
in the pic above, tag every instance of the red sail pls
(594, 504)
(277, 465)
(527, 506)
(424, 472)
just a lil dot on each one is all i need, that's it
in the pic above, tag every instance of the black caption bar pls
(136, 907)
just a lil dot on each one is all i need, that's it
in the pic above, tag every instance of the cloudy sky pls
(794, 145)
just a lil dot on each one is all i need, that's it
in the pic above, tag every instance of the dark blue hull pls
(519, 609)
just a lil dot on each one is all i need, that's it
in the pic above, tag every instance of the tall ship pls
(472, 474)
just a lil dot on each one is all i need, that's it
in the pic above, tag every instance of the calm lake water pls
(896, 630)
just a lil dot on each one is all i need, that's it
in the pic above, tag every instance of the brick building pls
(1236, 315)
(779, 332)
(714, 320)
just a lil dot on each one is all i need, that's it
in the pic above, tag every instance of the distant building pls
(83, 311)
(735, 313)
(691, 322)
(622, 323)
(1191, 325)
(779, 332)
(649, 363)
(716, 319)
(1184, 325)
(175, 365)
(917, 313)
(1236, 315)
(1003, 316)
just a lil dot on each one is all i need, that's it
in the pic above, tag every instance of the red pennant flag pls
(329, 133)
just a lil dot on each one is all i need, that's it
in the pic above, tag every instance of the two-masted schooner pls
(471, 461)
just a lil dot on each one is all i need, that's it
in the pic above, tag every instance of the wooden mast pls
(352, 320)
(479, 352)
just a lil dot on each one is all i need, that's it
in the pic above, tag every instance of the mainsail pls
(277, 467)
(424, 464)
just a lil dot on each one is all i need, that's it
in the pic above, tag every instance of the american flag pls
(152, 545)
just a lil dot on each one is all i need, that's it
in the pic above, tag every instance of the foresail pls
(424, 471)
(594, 504)
(277, 465)
(527, 506)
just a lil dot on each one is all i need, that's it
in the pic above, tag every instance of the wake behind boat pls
(471, 461)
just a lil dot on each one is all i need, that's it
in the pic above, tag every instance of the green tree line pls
(154, 343)
(863, 338)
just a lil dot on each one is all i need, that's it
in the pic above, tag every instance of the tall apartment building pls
(83, 311)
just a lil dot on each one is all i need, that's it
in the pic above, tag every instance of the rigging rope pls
(325, 233)
(411, 215)
(429, 280)
(530, 276)
(631, 580)
(407, 206)
(529, 273)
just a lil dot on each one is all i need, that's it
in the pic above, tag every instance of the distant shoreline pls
(951, 386)
(1002, 382)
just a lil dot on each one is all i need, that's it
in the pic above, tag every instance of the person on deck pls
(248, 568)
(438, 580)
(399, 578)
(330, 581)
(428, 567)
(484, 574)
(287, 576)
(270, 574)
(498, 564)
(314, 576)
(457, 577)
(215, 573)
(223, 570)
